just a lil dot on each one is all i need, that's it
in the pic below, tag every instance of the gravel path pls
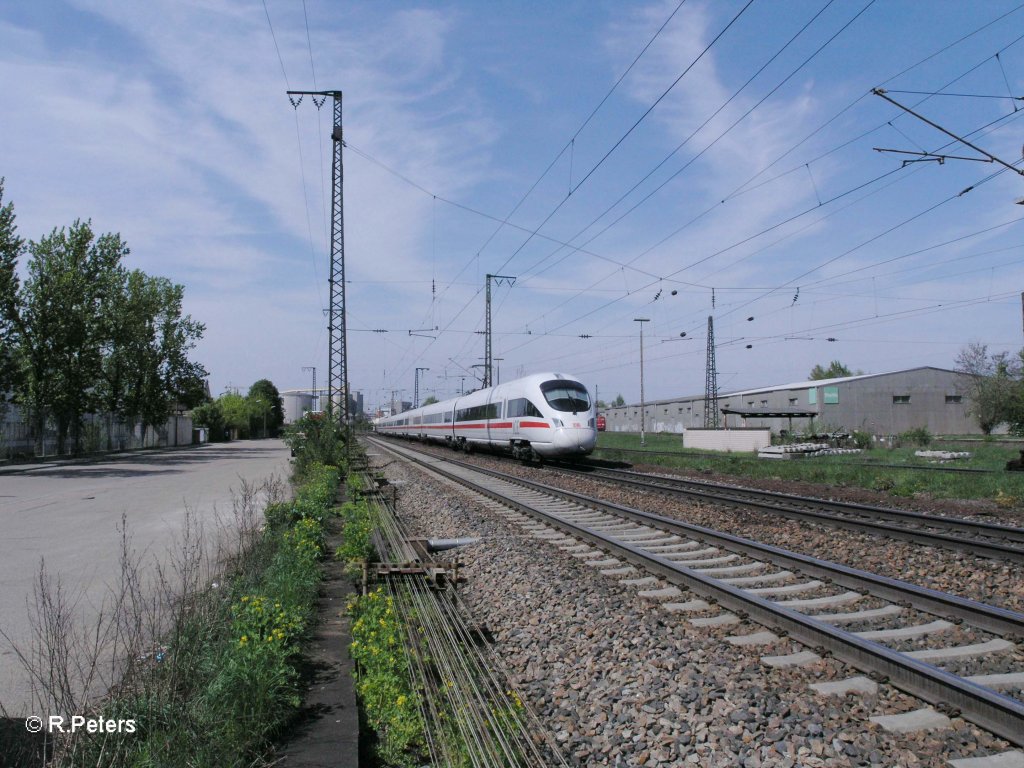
(621, 681)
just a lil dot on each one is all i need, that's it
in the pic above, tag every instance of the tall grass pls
(884, 468)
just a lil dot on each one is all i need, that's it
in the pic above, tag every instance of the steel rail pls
(493, 732)
(787, 505)
(1000, 714)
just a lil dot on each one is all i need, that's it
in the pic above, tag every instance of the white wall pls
(727, 439)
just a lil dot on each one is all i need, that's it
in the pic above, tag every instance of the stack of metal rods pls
(472, 713)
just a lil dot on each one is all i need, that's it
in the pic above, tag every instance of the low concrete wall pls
(727, 439)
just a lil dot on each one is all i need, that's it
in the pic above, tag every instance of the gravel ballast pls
(620, 680)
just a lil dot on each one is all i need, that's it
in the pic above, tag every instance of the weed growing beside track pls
(391, 707)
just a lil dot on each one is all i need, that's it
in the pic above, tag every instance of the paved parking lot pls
(69, 514)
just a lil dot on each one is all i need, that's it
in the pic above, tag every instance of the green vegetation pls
(835, 370)
(258, 414)
(863, 470)
(391, 707)
(83, 334)
(995, 386)
(223, 682)
(316, 439)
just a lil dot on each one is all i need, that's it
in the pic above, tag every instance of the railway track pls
(978, 538)
(912, 467)
(803, 597)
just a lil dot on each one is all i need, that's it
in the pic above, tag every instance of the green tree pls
(174, 375)
(145, 370)
(61, 326)
(619, 401)
(993, 383)
(11, 248)
(267, 408)
(236, 411)
(835, 370)
(209, 415)
(429, 401)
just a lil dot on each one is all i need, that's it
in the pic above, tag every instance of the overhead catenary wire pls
(802, 166)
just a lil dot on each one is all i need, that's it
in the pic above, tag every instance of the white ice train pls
(546, 415)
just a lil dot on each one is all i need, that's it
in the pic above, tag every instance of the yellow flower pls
(243, 640)
(400, 701)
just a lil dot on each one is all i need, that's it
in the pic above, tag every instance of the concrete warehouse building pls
(878, 403)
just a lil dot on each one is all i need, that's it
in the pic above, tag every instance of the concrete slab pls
(767, 578)
(758, 638)
(789, 589)
(799, 659)
(732, 570)
(1012, 759)
(643, 581)
(823, 602)
(901, 633)
(588, 554)
(327, 726)
(661, 594)
(606, 563)
(680, 547)
(618, 571)
(999, 681)
(858, 684)
(690, 606)
(721, 620)
(997, 645)
(692, 554)
(926, 719)
(854, 616)
(709, 561)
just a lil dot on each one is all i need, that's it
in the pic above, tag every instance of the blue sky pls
(168, 122)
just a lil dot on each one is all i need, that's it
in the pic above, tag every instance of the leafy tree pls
(993, 384)
(619, 401)
(236, 411)
(430, 401)
(316, 439)
(145, 370)
(209, 415)
(61, 324)
(11, 248)
(835, 370)
(266, 403)
(173, 373)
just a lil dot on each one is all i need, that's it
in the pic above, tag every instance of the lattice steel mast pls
(337, 361)
(488, 353)
(416, 388)
(711, 381)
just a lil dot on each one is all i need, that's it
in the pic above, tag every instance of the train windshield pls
(566, 396)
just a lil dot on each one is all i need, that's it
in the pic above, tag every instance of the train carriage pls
(546, 415)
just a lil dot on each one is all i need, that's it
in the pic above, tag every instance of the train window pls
(477, 412)
(566, 396)
(448, 417)
(523, 407)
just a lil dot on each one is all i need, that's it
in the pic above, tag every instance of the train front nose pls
(573, 439)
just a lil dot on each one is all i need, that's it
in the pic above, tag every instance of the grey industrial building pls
(878, 403)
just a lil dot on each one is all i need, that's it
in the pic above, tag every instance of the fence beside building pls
(100, 432)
